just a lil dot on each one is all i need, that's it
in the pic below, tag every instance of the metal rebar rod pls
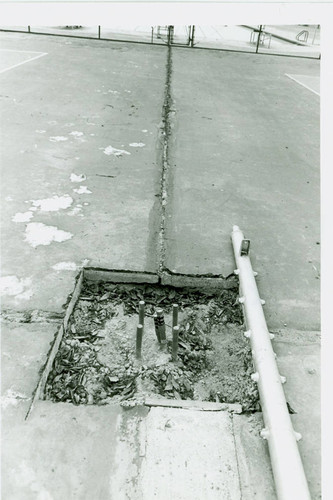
(175, 335)
(175, 309)
(289, 476)
(156, 327)
(142, 312)
(139, 332)
(159, 321)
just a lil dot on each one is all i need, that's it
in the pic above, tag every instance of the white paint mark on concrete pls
(65, 266)
(75, 133)
(37, 233)
(14, 286)
(112, 91)
(75, 211)
(40, 131)
(53, 204)
(137, 145)
(58, 138)
(109, 150)
(69, 266)
(86, 203)
(11, 398)
(22, 216)
(128, 91)
(77, 178)
(144, 131)
(92, 134)
(82, 190)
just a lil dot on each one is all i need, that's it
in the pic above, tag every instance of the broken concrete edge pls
(189, 404)
(176, 280)
(45, 370)
(187, 281)
(119, 276)
(129, 277)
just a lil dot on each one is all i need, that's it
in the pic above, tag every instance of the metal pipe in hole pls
(139, 332)
(175, 334)
(175, 309)
(142, 312)
(160, 326)
(156, 327)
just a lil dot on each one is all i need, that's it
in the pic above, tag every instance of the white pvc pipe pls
(289, 477)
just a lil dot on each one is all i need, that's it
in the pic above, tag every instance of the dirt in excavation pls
(96, 361)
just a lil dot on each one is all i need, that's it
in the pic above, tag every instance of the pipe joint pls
(298, 436)
(264, 433)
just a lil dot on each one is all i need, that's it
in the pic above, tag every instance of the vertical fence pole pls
(99, 32)
(28, 29)
(152, 34)
(142, 312)
(258, 41)
(192, 37)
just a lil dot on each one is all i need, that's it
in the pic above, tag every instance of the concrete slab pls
(245, 151)
(24, 350)
(298, 359)
(74, 453)
(255, 472)
(189, 455)
(55, 126)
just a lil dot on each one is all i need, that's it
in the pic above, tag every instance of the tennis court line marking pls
(41, 54)
(303, 84)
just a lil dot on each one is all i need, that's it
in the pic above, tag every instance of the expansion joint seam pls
(165, 133)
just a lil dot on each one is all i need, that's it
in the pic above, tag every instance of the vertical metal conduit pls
(289, 476)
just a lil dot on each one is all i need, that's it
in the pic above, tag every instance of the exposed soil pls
(96, 361)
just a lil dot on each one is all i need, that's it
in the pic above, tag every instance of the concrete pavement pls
(243, 149)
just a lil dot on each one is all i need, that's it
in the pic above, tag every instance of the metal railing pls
(273, 40)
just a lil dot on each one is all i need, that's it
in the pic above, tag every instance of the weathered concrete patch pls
(22, 216)
(77, 178)
(18, 287)
(82, 190)
(37, 233)
(53, 204)
(188, 455)
(109, 150)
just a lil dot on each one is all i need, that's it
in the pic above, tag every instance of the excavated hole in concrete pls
(96, 363)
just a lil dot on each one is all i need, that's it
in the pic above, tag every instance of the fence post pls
(99, 32)
(28, 29)
(192, 38)
(260, 29)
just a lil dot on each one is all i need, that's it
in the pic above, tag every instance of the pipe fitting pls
(241, 300)
(298, 436)
(255, 377)
(247, 334)
(264, 433)
(255, 273)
